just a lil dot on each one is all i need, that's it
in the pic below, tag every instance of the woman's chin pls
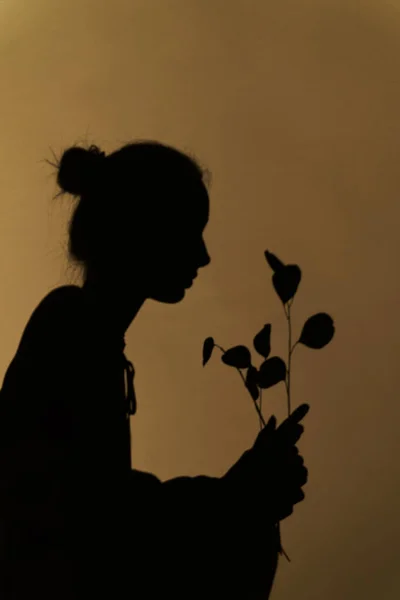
(171, 296)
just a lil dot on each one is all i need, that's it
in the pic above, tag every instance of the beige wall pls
(294, 106)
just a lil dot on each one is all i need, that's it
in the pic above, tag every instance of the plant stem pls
(244, 381)
(263, 424)
(290, 352)
(289, 358)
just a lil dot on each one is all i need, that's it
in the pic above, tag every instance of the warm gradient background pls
(294, 107)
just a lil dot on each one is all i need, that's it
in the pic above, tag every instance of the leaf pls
(262, 341)
(286, 281)
(271, 372)
(317, 331)
(251, 382)
(238, 356)
(208, 347)
(273, 261)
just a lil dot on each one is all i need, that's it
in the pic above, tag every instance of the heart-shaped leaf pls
(262, 341)
(286, 281)
(238, 356)
(273, 261)
(208, 347)
(317, 331)
(251, 382)
(271, 372)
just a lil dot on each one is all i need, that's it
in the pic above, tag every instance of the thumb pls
(265, 434)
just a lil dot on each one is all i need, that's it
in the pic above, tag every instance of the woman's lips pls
(189, 281)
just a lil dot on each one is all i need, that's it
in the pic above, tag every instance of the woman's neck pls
(112, 303)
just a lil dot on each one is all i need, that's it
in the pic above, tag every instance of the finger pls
(270, 426)
(294, 474)
(299, 476)
(294, 457)
(290, 455)
(265, 434)
(298, 497)
(292, 498)
(289, 435)
(285, 511)
(297, 433)
(297, 415)
(303, 475)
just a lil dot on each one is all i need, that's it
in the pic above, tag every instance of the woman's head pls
(141, 215)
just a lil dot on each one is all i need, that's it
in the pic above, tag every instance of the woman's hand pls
(273, 468)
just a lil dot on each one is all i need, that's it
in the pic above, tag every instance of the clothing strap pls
(129, 374)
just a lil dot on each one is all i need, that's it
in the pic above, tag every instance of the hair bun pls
(79, 169)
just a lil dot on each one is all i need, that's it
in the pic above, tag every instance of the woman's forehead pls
(194, 204)
(180, 207)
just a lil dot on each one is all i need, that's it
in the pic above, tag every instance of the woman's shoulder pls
(65, 299)
(53, 340)
(58, 315)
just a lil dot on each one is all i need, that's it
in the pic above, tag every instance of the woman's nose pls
(204, 256)
(207, 261)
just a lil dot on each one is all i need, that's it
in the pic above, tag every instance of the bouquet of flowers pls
(316, 333)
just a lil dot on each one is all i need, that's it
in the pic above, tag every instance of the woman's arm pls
(209, 540)
(186, 525)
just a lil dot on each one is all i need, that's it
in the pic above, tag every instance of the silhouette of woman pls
(78, 521)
